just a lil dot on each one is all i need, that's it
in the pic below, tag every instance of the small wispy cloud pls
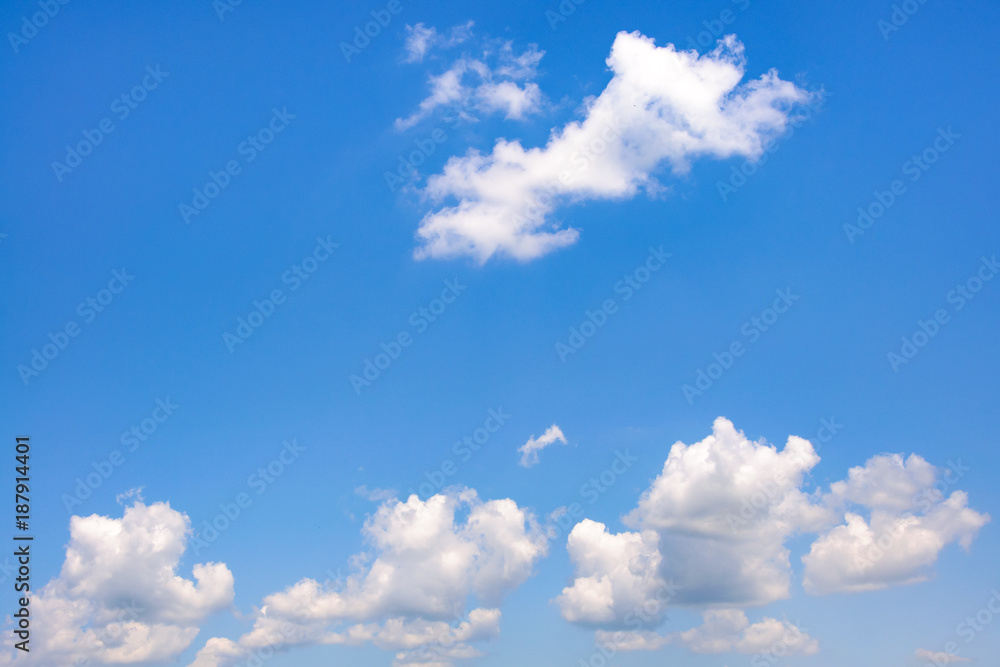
(939, 657)
(129, 497)
(375, 495)
(529, 450)
(420, 40)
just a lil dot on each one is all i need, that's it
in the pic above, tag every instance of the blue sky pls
(302, 138)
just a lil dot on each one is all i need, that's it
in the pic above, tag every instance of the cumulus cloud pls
(423, 567)
(616, 573)
(718, 516)
(118, 598)
(723, 509)
(661, 107)
(910, 522)
(499, 81)
(529, 450)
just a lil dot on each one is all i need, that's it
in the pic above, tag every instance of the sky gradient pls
(499, 323)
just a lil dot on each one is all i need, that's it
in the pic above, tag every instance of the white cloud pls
(722, 631)
(939, 657)
(662, 106)
(420, 40)
(130, 497)
(632, 640)
(717, 518)
(886, 482)
(446, 88)
(118, 598)
(497, 81)
(423, 567)
(529, 450)
(729, 630)
(615, 575)
(376, 495)
(910, 523)
(723, 508)
(515, 102)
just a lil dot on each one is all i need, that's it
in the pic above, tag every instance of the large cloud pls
(424, 566)
(118, 598)
(662, 106)
(910, 522)
(723, 509)
(716, 521)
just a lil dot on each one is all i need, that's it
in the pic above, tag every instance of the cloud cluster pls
(497, 81)
(119, 599)
(429, 584)
(718, 516)
(910, 522)
(661, 107)
(529, 450)
(424, 565)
